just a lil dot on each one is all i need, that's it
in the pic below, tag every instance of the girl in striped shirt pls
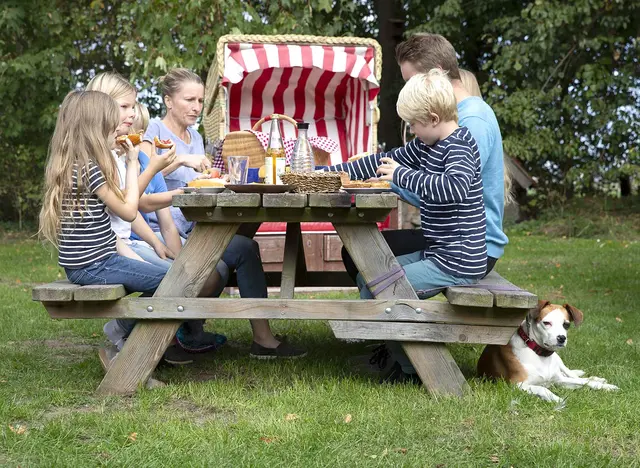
(442, 166)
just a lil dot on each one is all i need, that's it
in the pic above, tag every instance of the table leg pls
(433, 362)
(292, 245)
(148, 341)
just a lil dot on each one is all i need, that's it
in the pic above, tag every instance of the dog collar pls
(535, 347)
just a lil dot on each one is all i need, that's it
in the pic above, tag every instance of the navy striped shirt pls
(447, 178)
(86, 236)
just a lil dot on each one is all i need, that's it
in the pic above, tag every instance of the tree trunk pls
(625, 186)
(391, 25)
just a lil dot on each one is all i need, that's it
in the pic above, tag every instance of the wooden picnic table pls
(423, 327)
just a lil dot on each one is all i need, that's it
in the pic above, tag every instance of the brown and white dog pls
(530, 359)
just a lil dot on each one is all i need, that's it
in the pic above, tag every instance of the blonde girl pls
(81, 183)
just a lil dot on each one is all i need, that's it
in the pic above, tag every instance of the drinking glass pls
(238, 168)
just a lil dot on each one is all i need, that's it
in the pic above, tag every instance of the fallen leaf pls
(494, 459)
(618, 319)
(94, 335)
(18, 281)
(268, 440)
(18, 429)
(133, 436)
(629, 341)
(291, 417)
(348, 418)
(558, 265)
(401, 450)
(551, 277)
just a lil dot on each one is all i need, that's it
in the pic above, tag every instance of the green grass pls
(228, 410)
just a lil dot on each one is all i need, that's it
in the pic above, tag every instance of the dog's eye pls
(546, 324)
(566, 325)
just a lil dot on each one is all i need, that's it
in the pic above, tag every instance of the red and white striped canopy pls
(334, 88)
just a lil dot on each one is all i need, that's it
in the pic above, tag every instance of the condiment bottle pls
(275, 159)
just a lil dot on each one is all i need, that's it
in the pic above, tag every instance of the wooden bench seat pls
(470, 315)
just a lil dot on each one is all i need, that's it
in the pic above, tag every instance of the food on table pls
(214, 172)
(199, 183)
(357, 184)
(381, 184)
(162, 144)
(355, 157)
(134, 138)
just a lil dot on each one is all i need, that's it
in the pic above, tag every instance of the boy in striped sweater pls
(442, 166)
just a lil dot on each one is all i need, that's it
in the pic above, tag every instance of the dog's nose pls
(561, 339)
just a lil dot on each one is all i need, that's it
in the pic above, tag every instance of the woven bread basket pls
(314, 182)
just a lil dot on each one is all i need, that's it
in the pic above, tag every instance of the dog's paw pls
(609, 387)
(597, 379)
(578, 372)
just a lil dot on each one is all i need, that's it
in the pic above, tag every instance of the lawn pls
(228, 410)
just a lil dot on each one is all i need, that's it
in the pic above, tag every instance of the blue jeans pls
(147, 254)
(407, 195)
(428, 280)
(136, 276)
(243, 256)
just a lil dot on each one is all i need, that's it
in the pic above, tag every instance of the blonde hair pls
(471, 85)
(171, 83)
(426, 51)
(425, 94)
(111, 83)
(86, 121)
(141, 120)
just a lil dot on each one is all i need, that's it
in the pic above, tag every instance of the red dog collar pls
(535, 347)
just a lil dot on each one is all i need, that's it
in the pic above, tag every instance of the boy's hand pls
(163, 251)
(160, 161)
(387, 168)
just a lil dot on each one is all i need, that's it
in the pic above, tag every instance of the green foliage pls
(562, 78)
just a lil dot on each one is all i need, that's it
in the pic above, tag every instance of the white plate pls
(361, 191)
(203, 189)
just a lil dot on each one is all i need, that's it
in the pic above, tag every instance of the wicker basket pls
(314, 182)
(245, 143)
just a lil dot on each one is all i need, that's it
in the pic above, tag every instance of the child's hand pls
(387, 168)
(132, 151)
(160, 161)
(163, 251)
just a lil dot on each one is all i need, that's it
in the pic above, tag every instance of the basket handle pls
(274, 116)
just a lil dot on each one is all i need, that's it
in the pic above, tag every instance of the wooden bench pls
(470, 315)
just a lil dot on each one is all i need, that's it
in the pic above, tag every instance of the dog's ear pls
(535, 313)
(576, 314)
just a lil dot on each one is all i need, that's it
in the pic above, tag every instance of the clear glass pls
(302, 159)
(238, 169)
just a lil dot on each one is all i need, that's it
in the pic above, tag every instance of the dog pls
(530, 359)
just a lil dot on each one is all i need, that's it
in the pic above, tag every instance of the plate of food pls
(361, 187)
(205, 186)
(256, 187)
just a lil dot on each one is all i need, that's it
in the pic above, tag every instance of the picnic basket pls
(330, 82)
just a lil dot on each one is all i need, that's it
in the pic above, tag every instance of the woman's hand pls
(132, 151)
(387, 168)
(160, 161)
(163, 251)
(199, 162)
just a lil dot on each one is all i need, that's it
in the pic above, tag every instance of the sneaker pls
(193, 339)
(380, 357)
(283, 351)
(115, 333)
(177, 356)
(395, 375)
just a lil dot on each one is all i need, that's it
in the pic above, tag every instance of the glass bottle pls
(302, 159)
(275, 159)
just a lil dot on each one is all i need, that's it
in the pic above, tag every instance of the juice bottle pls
(302, 159)
(275, 159)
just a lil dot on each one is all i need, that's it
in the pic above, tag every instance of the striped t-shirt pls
(447, 178)
(86, 236)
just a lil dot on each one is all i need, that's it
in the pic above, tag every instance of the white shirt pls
(121, 227)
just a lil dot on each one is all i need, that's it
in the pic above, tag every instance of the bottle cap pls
(303, 125)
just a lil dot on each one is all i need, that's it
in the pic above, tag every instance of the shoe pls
(177, 356)
(193, 339)
(283, 351)
(395, 375)
(380, 357)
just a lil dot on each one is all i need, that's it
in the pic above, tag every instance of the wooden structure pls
(487, 316)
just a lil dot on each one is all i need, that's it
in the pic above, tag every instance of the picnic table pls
(470, 315)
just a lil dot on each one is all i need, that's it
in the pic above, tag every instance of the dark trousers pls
(401, 242)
